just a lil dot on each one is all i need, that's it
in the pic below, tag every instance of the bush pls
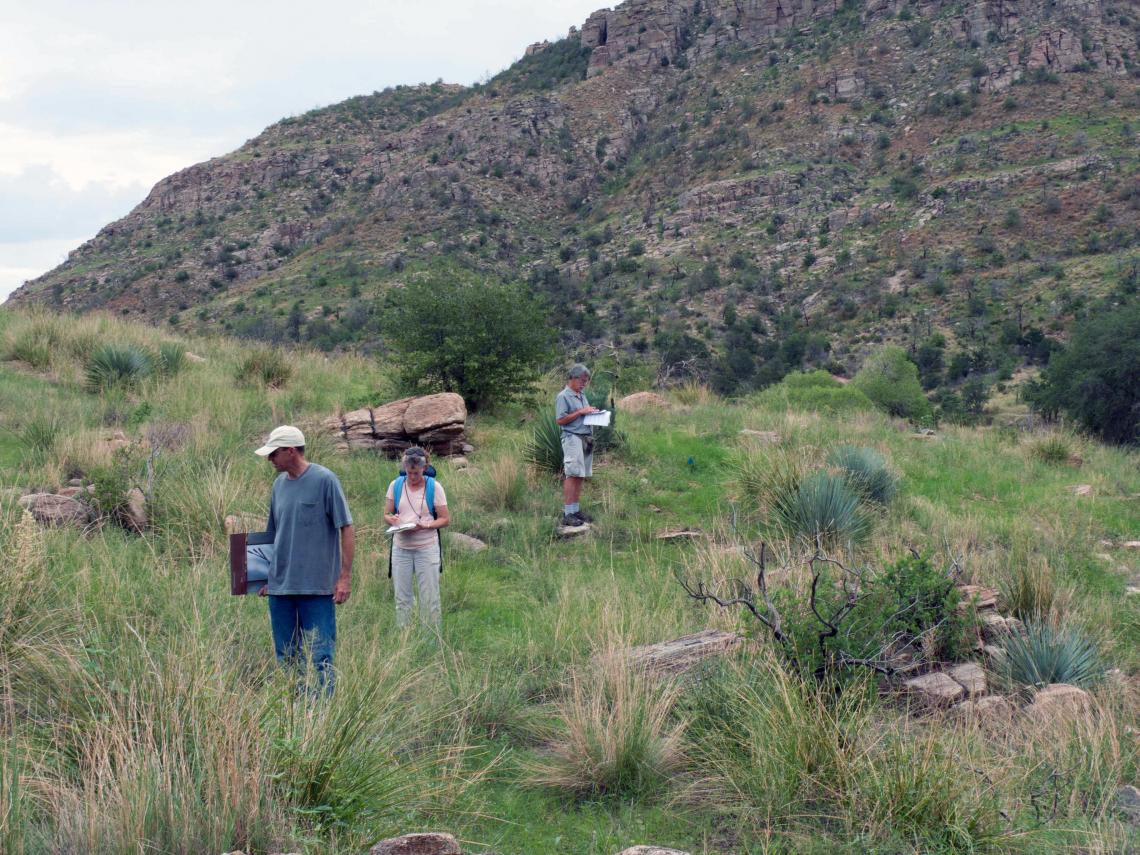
(1094, 378)
(866, 473)
(821, 509)
(890, 380)
(488, 341)
(265, 366)
(1050, 653)
(814, 391)
(545, 447)
(110, 366)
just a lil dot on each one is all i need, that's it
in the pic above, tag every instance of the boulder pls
(434, 411)
(1058, 700)
(52, 510)
(70, 492)
(465, 542)
(388, 420)
(640, 402)
(935, 689)
(431, 843)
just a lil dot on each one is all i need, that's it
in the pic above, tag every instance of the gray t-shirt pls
(306, 515)
(567, 402)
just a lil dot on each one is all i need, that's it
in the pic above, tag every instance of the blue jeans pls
(305, 626)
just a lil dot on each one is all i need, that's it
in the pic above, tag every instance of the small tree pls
(488, 341)
(1096, 379)
(890, 379)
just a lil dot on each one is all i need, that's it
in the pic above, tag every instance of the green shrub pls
(814, 391)
(890, 379)
(1050, 653)
(865, 472)
(1094, 378)
(919, 599)
(822, 508)
(1051, 449)
(265, 366)
(111, 365)
(544, 449)
(488, 341)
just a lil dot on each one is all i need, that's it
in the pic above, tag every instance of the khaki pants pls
(423, 565)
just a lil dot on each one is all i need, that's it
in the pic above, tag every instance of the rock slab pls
(52, 510)
(651, 850)
(681, 654)
(936, 689)
(435, 422)
(430, 843)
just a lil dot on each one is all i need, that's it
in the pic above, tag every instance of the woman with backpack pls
(417, 505)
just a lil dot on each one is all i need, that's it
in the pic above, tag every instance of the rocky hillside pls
(739, 188)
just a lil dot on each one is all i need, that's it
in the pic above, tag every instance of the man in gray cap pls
(313, 545)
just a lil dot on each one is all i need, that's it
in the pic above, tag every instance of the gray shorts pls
(575, 461)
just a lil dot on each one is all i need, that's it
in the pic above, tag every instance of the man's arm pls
(347, 551)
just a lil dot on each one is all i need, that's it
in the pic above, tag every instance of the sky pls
(99, 99)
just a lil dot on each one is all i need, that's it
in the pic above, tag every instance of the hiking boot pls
(574, 520)
(585, 516)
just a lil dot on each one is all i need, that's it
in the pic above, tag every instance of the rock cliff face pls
(762, 140)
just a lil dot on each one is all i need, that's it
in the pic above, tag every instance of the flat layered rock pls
(936, 689)
(388, 420)
(684, 534)
(681, 654)
(981, 597)
(651, 850)
(434, 411)
(1082, 490)
(971, 677)
(992, 708)
(566, 531)
(430, 843)
(767, 437)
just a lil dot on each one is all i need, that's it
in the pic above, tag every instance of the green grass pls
(142, 697)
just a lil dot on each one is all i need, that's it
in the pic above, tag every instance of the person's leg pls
(283, 621)
(427, 579)
(572, 467)
(317, 617)
(402, 570)
(571, 490)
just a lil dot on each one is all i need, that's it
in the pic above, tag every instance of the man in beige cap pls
(313, 545)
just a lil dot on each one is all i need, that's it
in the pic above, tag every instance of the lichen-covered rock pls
(1058, 700)
(971, 677)
(465, 542)
(935, 689)
(430, 843)
(640, 402)
(434, 411)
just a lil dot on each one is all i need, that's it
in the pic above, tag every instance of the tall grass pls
(265, 366)
(501, 485)
(614, 734)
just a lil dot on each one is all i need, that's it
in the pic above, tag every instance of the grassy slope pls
(148, 622)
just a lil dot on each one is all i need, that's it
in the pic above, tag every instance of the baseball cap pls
(285, 436)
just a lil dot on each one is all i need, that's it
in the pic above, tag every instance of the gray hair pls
(578, 370)
(415, 453)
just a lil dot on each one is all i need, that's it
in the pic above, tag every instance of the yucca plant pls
(171, 358)
(823, 509)
(1049, 652)
(110, 365)
(1052, 449)
(544, 449)
(866, 473)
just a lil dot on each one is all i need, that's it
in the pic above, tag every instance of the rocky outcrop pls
(435, 422)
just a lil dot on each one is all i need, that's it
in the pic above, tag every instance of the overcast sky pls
(99, 99)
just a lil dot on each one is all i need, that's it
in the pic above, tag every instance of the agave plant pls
(821, 508)
(110, 366)
(1051, 653)
(866, 473)
(544, 449)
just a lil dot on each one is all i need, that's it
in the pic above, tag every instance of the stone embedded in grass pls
(980, 597)
(768, 437)
(681, 654)
(1128, 802)
(430, 843)
(996, 626)
(992, 708)
(133, 514)
(1059, 699)
(465, 542)
(1083, 490)
(936, 689)
(651, 850)
(572, 530)
(683, 534)
(1130, 544)
(640, 402)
